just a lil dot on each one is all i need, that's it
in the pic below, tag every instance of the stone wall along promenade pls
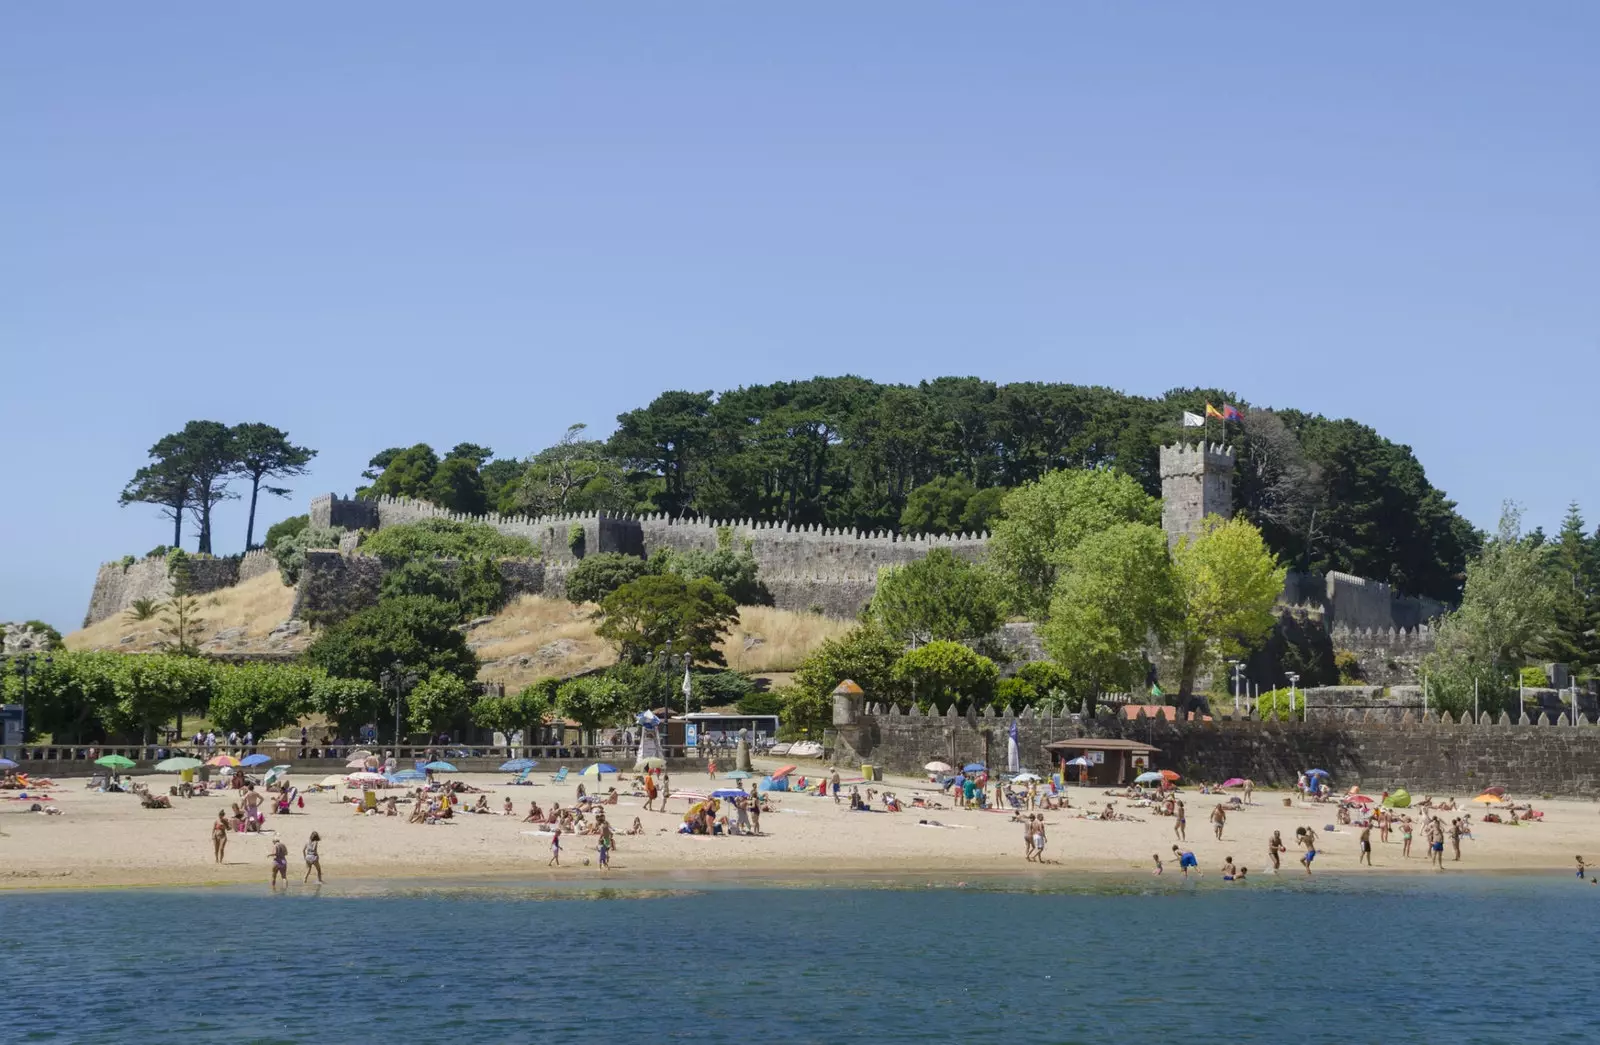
(1425, 754)
(116, 586)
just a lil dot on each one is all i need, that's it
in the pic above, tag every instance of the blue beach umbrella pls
(6, 763)
(408, 776)
(440, 767)
(255, 760)
(1316, 772)
(728, 792)
(973, 767)
(1148, 778)
(517, 765)
(598, 768)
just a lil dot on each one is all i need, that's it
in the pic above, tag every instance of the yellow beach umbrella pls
(1489, 800)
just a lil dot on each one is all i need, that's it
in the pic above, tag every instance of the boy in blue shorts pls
(1186, 861)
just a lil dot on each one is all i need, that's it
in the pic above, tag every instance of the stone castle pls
(807, 568)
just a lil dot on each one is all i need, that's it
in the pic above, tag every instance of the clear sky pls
(381, 223)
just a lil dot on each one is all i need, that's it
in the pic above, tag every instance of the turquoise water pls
(1459, 960)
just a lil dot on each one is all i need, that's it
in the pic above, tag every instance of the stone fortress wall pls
(117, 585)
(1425, 752)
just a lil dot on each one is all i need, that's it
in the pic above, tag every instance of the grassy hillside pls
(532, 638)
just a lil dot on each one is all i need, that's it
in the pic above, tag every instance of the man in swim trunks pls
(1219, 816)
(1366, 846)
(1027, 837)
(1308, 838)
(1186, 861)
(1038, 839)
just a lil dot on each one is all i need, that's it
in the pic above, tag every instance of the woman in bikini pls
(280, 864)
(219, 835)
(1275, 849)
(313, 859)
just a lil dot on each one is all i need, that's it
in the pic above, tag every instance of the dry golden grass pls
(536, 637)
(258, 605)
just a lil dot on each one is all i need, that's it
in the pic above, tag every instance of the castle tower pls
(1196, 481)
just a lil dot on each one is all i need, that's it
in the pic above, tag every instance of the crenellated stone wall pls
(1426, 753)
(117, 586)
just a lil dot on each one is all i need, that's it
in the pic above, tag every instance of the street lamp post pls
(25, 668)
(402, 681)
(1293, 678)
(667, 663)
(1236, 666)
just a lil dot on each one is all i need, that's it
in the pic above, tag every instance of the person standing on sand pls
(1219, 816)
(1179, 830)
(1366, 846)
(313, 860)
(1582, 868)
(1405, 836)
(649, 791)
(1275, 849)
(280, 864)
(1455, 837)
(833, 782)
(755, 812)
(1308, 838)
(219, 838)
(1038, 839)
(555, 848)
(1436, 842)
(1249, 789)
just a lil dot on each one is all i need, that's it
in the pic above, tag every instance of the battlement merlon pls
(1196, 459)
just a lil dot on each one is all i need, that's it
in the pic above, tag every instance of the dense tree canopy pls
(852, 453)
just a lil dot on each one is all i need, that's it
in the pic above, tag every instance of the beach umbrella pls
(517, 765)
(1487, 799)
(1316, 772)
(1495, 790)
(367, 778)
(408, 776)
(1167, 774)
(115, 762)
(938, 767)
(692, 796)
(1361, 800)
(440, 767)
(332, 781)
(657, 762)
(178, 765)
(1081, 760)
(974, 767)
(728, 792)
(1148, 778)
(275, 774)
(1233, 781)
(785, 771)
(6, 763)
(598, 768)
(255, 760)
(223, 760)
(361, 753)
(1025, 777)
(1399, 799)
(360, 763)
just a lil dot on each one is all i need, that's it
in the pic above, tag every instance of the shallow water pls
(1458, 959)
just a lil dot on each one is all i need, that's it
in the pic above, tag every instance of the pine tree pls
(1575, 569)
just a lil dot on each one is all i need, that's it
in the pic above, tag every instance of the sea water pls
(1456, 959)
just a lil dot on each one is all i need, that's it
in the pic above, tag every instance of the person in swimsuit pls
(1027, 837)
(1308, 838)
(1405, 836)
(1186, 861)
(280, 864)
(1157, 858)
(1242, 872)
(1228, 870)
(1275, 849)
(1455, 837)
(1178, 825)
(1582, 868)
(1219, 816)
(219, 838)
(1038, 839)
(555, 849)
(1366, 846)
(313, 859)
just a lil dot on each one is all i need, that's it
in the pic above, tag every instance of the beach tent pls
(1399, 798)
(774, 783)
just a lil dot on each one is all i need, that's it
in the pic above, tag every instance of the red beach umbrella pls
(785, 771)
(1167, 774)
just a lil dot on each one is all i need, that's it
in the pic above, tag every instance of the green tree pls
(735, 572)
(805, 712)
(759, 702)
(575, 475)
(152, 689)
(669, 438)
(411, 634)
(1044, 520)
(1038, 683)
(408, 473)
(938, 505)
(646, 614)
(263, 452)
(285, 528)
(1227, 584)
(70, 696)
(481, 589)
(213, 458)
(180, 615)
(473, 452)
(944, 673)
(524, 710)
(865, 655)
(1117, 589)
(289, 550)
(939, 596)
(1574, 637)
(445, 539)
(438, 702)
(346, 702)
(593, 702)
(601, 574)
(261, 698)
(381, 461)
(456, 485)
(164, 484)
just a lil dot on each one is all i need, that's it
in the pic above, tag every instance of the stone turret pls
(1196, 481)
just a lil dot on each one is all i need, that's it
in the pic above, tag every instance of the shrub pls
(944, 673)
(1534, 678)
(759, 703)
(1274, 704)
(126, 561)
(158, 552)
(1348, 667)
(576, 540)
(446, 539)
(285, 528)
(290, 552)
(142, 609)
(866, 656)
(599, 575)
(720, 688)
(735, 572)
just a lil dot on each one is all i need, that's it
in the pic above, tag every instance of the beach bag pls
(300, 802)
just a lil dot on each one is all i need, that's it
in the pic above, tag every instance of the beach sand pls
(109, 840)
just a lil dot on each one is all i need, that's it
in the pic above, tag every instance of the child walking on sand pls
(555, 849)
(1157, 858)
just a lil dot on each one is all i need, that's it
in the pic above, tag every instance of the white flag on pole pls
(1193, 420)
(686, 687)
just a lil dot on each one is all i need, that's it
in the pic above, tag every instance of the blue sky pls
(379, 223)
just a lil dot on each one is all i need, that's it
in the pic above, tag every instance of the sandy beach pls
(109, 840)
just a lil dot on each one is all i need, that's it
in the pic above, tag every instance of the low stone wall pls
(1425, 754)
